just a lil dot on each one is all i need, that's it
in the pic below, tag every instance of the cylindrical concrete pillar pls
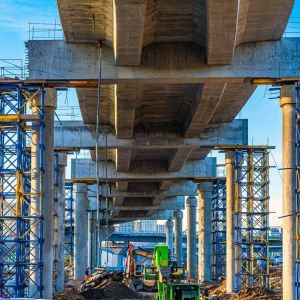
(178, 215)
(230, 257)
(35, 206)
(191, 205)
(60, 276)
(48, 190)
(205, 231)
(81, 231)
(287, 103)
(170, 238)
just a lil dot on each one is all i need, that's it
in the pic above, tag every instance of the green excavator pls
(172, 283)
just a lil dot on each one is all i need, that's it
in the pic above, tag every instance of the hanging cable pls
(106, 187)
(100, 43)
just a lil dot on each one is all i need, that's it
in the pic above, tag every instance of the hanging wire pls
(274, 160)
(97, 150)
(106, 186)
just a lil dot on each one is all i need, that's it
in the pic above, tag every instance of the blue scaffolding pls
(251, 217)
(219, 228)
(20, 223)
(69, 228)
(55, 216)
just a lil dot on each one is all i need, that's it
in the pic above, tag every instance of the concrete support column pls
(191, 205)
(230, 257)
(35, 207)
(170, 238)
(60, 278)
(48, 190)
(287, 103)
(178, 215)
(205, 231)
(81, 231)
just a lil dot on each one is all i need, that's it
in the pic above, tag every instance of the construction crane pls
(171, 280)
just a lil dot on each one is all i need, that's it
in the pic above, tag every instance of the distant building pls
(125, 227)
(161, 228)
(141, 226)
(145, 226)
(275, 231)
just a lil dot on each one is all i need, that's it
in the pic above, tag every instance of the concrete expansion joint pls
(287, 100)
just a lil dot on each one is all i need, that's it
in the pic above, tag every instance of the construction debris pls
(101, 285)
(67, 294)
(257, 293)
(276, 279)
(112, 290)
(218, 292)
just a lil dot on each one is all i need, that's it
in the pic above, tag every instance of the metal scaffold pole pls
(251, 217)
(297, 283)
(21, 238)
(219, 228)
(69, 229)
(55, 217)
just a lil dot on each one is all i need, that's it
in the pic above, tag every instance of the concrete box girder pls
(129, 26)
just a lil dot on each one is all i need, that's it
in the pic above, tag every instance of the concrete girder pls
(208, 98)
(142, 215)
(144, 170)
(123, 159)
(178, 158)
(231, 23)
(129, 20)
(76, 135)
(121, 185)
(165, 185)
(222, 26)
(172, 203)
(130, 26)
(184, 63)
(183, 188)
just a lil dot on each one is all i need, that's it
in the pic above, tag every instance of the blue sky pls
(264, 114)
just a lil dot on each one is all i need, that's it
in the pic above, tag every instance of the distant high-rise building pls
(141, 226)
(125, 227)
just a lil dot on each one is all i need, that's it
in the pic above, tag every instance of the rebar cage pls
(251, 217)
(69, 229)
(21, 231)
(219, 228)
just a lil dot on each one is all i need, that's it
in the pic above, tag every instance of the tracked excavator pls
(134, 269)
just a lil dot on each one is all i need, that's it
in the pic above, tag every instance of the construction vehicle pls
(134, 268)
(171, 280)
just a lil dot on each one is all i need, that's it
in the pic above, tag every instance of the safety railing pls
(45, 31)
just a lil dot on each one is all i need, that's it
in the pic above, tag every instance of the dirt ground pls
(101, 285)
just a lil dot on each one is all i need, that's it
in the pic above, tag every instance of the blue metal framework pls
(297, 283)
(251, 217)
(20, 223)
(219, 228)
(69, 228)
(55, 217)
